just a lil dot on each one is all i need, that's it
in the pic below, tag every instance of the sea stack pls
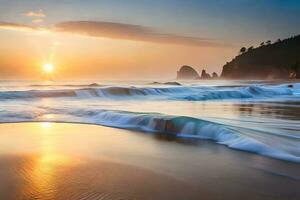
(187, 72)
(205, 75)
(215, 75)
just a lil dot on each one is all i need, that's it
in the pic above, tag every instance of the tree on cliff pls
(243, 50)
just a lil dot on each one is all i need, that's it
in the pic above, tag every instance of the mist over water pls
(259, 117)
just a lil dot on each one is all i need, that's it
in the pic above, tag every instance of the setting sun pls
(48, 68)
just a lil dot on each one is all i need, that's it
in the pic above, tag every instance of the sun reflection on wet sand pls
(45, 166)
(57, 161)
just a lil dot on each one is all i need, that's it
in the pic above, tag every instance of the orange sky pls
(137, 39)
(23, 54)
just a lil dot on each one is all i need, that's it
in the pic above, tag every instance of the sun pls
(48, 68)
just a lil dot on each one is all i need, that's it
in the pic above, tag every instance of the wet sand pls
(74, 161)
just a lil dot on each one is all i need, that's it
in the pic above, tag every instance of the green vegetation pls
(278, 60)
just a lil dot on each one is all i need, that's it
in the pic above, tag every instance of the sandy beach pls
(75, 161)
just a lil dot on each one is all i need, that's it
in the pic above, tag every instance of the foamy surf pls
(175, 126)
(228, 114)
(181, 93)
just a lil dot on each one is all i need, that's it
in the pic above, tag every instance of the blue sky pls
(234, 20)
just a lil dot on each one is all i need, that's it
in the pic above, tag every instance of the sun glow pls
(48, 68)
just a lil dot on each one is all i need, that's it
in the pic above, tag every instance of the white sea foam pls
(190, 93)
(87, 103)
(175, 126)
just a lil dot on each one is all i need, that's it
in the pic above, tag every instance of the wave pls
(66, 85)
(252, 91)
(169, 93)
(175, 126)
(165, 83)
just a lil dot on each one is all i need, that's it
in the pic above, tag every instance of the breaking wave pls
(171, 93)
(168, 125)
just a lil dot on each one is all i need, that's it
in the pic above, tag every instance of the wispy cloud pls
(117, 31)
(17, 27)
(23, 27)
(38, 13)
(130, 32)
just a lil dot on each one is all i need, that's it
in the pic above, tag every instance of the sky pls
(134, 39)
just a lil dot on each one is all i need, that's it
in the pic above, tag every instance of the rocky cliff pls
(278, 60)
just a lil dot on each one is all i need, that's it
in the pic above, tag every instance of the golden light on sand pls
(48, 68)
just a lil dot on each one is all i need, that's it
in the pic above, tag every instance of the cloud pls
(129, 32)
(38, 13)
(17, 27)
(117, 31)
(23, 27)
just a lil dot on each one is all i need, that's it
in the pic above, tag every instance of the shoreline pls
(90, 161)
(221, 134)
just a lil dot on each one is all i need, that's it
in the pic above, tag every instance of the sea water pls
(255, 116)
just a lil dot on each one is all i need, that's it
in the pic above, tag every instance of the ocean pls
(262, 117)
